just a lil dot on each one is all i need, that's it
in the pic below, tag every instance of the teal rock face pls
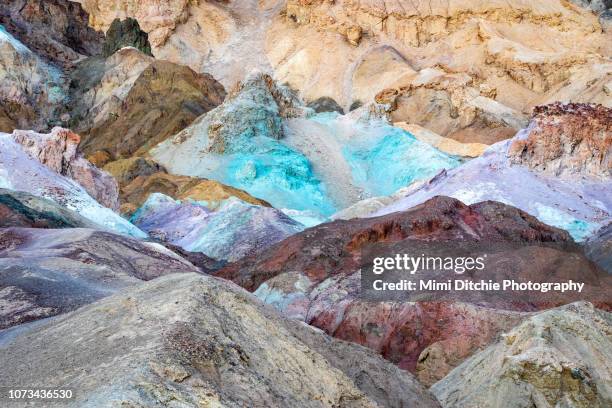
(20, 209)
(262, 140)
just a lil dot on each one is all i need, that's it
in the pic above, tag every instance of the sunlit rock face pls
(262, 140)
(58, 151)
(232, 230)
(46, 272)
(558, 169)
(140, 177)
(30, 88)
(204, 342)
(315, 276)
(22, 172)
(567, 140)
(555, 358)
(127, 103)
(287, 35)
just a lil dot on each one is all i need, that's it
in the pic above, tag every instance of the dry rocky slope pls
(57, 30)
(46, 272)
(152, 346)
(129, 102)
(558, 358)
(315, 276)
(470, 70)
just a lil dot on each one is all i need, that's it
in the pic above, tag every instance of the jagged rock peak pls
(567, 139)
(289, 104)
(126, 33)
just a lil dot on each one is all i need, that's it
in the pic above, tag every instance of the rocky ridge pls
(563, 158)
(47, 272)
(315, 276)
(164, 350)
(554, 358)
(230, 231)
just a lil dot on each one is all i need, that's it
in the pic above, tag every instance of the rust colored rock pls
(354, 34)
(58, 150)
(316, 276)
(388, 97)
(567, 140)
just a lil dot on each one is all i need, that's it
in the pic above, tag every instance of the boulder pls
(325, 104)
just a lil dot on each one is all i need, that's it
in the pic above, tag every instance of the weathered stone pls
(129, 102)
(555, 358)
(325, 104)
(20, 209)
(125, 33)
(567, 140)
(201, 341)
(58, 151)
(56, 30)
(54, 271)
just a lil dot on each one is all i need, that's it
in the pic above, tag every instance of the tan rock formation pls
(137, 191)
(444, 144)
(131, 102)
(516, 54)
(555, 358)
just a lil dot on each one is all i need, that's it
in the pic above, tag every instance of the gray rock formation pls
(193, 341)
(46, 272)
(558, 358)
(598, 248)
(21, 209)
(325, 104)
